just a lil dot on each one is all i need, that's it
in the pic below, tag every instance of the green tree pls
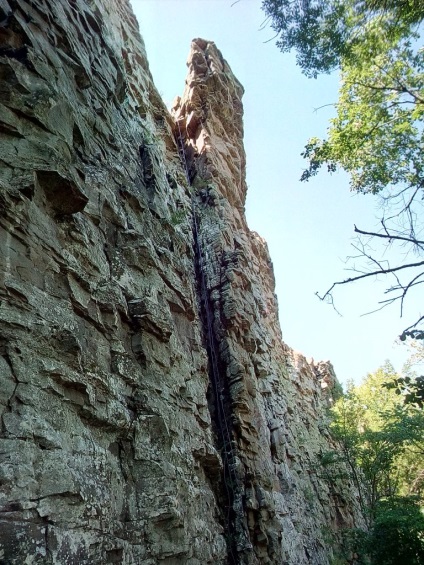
(397, 535)
(377, 134)
(324, 33)
(382, 446)
(370, 449)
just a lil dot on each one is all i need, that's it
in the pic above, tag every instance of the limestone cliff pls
(150, 412)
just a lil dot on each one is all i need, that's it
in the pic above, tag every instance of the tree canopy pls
(380, 433)
(377, 134)
(324, 33)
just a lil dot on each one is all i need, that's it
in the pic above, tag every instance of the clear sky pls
(308, 226)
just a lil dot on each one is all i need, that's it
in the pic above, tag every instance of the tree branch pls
(389, 236)
(402, 89)
(410, 332)
(370, 274)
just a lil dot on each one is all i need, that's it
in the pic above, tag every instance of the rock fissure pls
(229, 490)
(220, 407)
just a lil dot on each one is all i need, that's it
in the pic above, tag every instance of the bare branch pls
(397, 291)
(394, 196)
(388, 235)
(384, 303)
(264, 23)
(411, 283)
(268, 40)
(370, 274)
(324, 106)
(330, 300)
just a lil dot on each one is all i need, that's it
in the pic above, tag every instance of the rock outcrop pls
(150, 412)
(275, 401)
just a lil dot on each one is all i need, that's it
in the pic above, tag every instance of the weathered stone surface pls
(106, 437)
(275, 400)
(109, 443)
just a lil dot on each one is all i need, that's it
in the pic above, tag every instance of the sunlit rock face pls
(277, 401)
(122, 287)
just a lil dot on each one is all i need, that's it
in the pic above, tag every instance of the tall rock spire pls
(273, 398)
(213, 118)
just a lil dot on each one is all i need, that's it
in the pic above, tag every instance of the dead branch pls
(389, 236)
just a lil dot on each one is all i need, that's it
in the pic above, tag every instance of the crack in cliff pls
(4, 352)
(46, 541)
(230, 492)
(219, 409)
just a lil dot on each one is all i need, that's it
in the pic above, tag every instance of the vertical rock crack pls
(230, 492)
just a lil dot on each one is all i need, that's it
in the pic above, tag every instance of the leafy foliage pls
(316, 29)
(324, 34)
(377, 134)
(397, 535)
(411, 389)
(382, 446)
(370, 449)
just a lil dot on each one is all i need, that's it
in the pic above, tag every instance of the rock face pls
(273, 400)
(150, 412)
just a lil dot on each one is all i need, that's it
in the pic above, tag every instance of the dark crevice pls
(229, 491)
(4, 352)
(46, 542)
(228, 487)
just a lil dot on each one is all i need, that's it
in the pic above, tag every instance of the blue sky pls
(308, 226)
